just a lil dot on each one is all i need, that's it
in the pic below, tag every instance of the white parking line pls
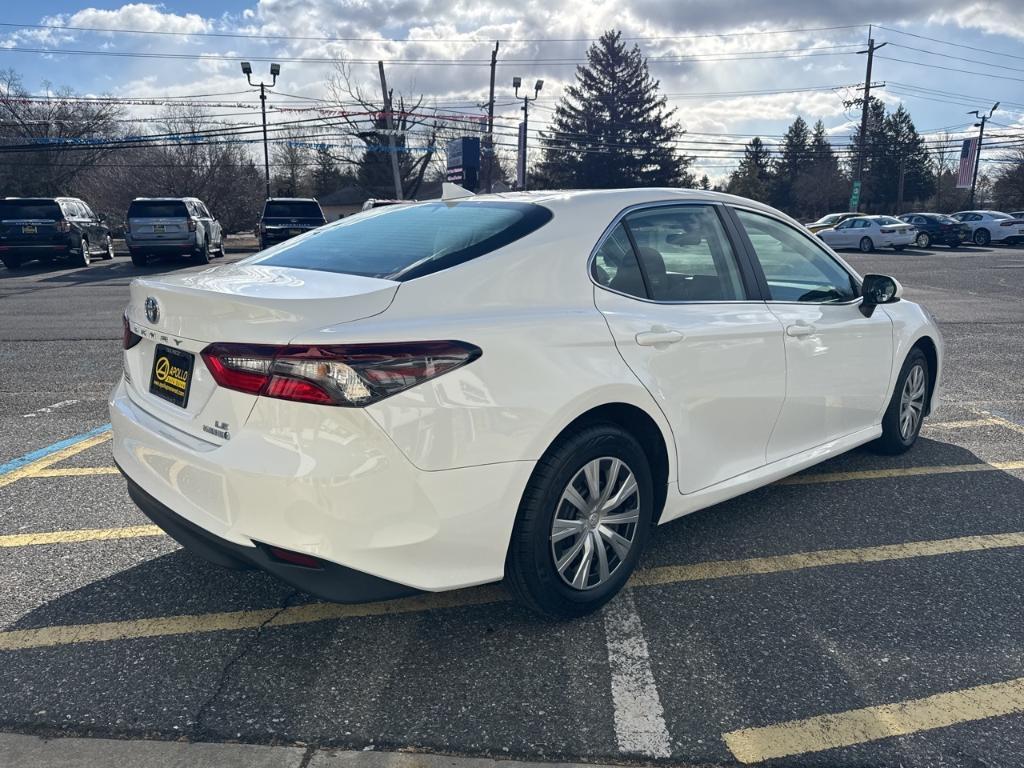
(48, 409)
(639, 718)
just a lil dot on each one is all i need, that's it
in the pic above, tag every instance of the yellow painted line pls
(876, 474)
(1005, 422)
(40, 464)
(965, 424)
(857, 726)
(75, 471)
(720, 569)
(305, 614)
(73, 537)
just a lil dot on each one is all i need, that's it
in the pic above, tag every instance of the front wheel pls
(982, 237)
(866, 246)
(923, 240)
(582, 522)
(109, 249)
(901, 423)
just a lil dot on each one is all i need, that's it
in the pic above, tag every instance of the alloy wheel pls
(923, 241)
(912, 402)
(595, 523)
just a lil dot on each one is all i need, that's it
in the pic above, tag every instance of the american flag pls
(968, 155)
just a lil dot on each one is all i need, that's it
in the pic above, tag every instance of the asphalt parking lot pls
(866, 612)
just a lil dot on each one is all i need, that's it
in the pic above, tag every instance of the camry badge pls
(152, 309)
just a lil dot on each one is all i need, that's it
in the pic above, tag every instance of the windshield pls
(995, 215)
(829, 219)
(30, 209)
(946, 220)
(292, 209)
(887, 220)
(157, 209)
(407, 241)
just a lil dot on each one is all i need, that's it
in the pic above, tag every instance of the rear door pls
(838, 361)
(213, 229)
(686, 318)
(95, 231)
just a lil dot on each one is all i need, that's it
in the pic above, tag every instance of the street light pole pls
(981, 137)
(517, 83)
(275, 70)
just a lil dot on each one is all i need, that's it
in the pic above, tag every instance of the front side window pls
(403, 242)
(795, 267)
(685, 254)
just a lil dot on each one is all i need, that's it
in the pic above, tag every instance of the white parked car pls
(992, 226)
(517, 387)
(870, 232)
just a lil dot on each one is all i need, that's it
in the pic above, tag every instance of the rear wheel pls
(83, 258)
(12, 262)
(582, 523)
(109, 249)
(898, 247)
(139, 259)
(982, 237)
(866, 246)
(923, 240)
(202, 254)
(901, 423)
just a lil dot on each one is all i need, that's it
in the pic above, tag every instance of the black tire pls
(866, 246)
(893, 441)
(12, 262)
(83, 258)
(139, 259)
(202, 254)
(530, 571)
(982, 237)
(898, 247)
(923, 240)
(108, 254)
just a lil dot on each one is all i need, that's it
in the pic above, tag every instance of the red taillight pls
(354, 375)
(129, 338)
(887, 231)
(1011, 223)
(63, 226)
(191, 225)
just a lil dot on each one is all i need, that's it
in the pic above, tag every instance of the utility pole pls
(899, 191)
(391, 133)
(862, 154)
(517, 83)
(275, 70)
(489, 138)
(981, 137)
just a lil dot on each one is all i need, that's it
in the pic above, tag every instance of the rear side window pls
(615, 265)
(30, 209)
(292, 209)
(157, 209)
(405, 242)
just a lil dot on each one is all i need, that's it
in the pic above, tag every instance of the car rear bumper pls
(35, 250)
(326, 482)
(161, 245)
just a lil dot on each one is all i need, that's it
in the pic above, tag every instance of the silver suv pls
(179, 226)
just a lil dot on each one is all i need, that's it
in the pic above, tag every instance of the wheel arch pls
(931, 353)
(648, 433)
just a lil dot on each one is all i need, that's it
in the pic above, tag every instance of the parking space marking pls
(640, 727)
(857, 726)
(73, 537)
(304, 614)
(48, 409)
(963, 424)
(30, 463)
(76, 471)
(878, 474)
(1007, 423)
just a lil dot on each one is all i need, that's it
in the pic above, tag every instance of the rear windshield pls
(946, 220)
(157, 209)
(292, 209)
(406, 241)
(30, 209)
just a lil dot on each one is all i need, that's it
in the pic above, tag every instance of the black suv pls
(936, 228)
(285, 217)
(50, 228)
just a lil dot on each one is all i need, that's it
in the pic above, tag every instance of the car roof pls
(291, 200)
(162, 199)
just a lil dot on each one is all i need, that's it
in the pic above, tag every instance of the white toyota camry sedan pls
(511, 387)
(869, 232)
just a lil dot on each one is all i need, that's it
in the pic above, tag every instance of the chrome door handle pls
(658, 336)
(800, 329)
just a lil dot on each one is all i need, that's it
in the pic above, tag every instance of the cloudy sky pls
(733, 69)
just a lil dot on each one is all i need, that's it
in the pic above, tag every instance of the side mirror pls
(102, 217)
(879, 289)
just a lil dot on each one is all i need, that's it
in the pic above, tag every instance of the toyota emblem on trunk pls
(152, 309)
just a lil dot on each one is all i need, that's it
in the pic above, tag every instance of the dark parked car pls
(937, 228)
(285, 217)
(178, 226)
(51, 228)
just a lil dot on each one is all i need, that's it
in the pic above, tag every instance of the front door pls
(838, 361)
(682, 316)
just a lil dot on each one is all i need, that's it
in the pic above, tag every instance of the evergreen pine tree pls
(705, 182)
(794, 161)
(821, 188)
(906, 153)
(326, 177)
(752, 177)
(611, 128)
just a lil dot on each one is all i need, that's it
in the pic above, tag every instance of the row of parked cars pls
(50, 229)
(852, 230)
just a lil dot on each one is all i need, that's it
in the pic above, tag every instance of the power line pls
(951, 69)
(947, 42)
(955, 58)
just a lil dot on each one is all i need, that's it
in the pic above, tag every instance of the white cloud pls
(148, 17)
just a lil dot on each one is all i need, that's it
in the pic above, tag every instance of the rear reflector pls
(294, 558)
(352, 375)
